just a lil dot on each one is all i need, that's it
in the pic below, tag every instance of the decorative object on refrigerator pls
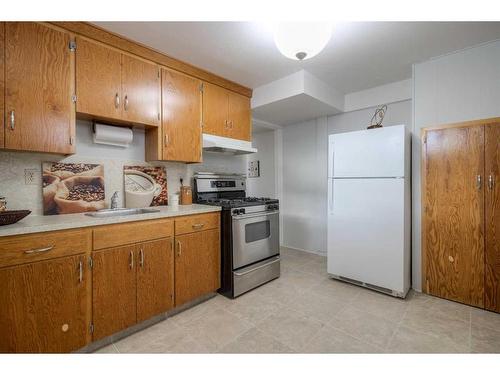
(253, 168)
(378, 117)
(369, 208)
(72, 188)
(145, 186)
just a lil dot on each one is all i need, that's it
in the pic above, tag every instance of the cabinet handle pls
(198, 226)
(36, 251)
(166, 140)
(179, 248)
(12, 120)
(131, 260)
(491, 182)
(117, 100)
(479, 182)
(226, 124)
(80, 270)
(125, 103)
(231, 124)
(141, 260)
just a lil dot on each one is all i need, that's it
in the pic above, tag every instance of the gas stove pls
(250, 251)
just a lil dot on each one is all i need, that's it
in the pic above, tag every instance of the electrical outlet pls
(32, 177)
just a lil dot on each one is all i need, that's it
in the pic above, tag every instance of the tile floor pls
(306, 312)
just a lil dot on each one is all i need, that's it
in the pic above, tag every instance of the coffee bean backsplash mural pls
(70, 188)
(145, 186)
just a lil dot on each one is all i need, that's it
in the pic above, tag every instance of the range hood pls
(229, 146)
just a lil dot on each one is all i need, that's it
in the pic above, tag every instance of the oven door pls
(255, 237)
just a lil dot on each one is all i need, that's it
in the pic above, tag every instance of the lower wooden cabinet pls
(197, 265)
(43, 306)
(130, 284)
(155, 278)
(114, 290)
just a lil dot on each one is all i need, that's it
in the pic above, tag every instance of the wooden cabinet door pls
(492, 214)
(140, 91)
(197, 265)
(2, 80)
(181, 117)
(38, 87)
(98, 80)
(215, 110)
(240, 122)
(114, 290)
(44, 306)
(453, 200)
(155, 278)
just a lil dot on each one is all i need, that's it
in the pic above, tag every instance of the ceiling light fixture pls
(302, 40)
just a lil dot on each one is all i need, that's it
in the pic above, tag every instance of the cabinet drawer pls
(35, 247)
(128, 233)
(196, 223)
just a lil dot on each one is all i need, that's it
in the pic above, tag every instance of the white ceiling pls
(360, 55)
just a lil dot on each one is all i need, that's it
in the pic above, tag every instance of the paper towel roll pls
(112, 135)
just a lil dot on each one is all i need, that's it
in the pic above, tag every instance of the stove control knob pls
(242, 211)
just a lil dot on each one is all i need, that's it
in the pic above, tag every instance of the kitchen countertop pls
(39, 223)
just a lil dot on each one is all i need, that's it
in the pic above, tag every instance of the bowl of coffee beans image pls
(80, 194)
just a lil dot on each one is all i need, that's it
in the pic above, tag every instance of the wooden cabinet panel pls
(40, 246)
(240, 123)
(196, 223)
(140, 91)
(114, 290)
(453, 214)
(98, 79)
(2, 81)
(197, 265)
(492, 214)
(38, 87)
(155, 278)
(44, 306)
(215, 110)
(128, 233)
(181, 117)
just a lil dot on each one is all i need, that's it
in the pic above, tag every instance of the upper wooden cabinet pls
(226, 113)
(39, 110)
(112, 85)
(2, 79)
(179, 138)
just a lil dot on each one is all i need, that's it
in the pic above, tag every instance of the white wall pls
(304, 203)
(22, 196)
(457, 87)
(265, 185)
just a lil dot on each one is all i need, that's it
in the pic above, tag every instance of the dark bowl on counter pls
(12, 216)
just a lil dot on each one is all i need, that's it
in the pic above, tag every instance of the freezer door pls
(366, 231)
(368, 153)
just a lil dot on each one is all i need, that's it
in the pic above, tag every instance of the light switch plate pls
(32, 177)
(253, 168)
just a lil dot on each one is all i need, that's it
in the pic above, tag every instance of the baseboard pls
(305, 251)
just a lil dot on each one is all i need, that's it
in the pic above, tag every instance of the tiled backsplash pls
(22, 196)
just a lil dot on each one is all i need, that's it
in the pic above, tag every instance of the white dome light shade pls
(302, 40)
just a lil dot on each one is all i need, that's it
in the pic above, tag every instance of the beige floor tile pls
(187, 316)
(315, 305)
(109, 349)
(286, 252)
(331, 340)
(338, 290)
(485, 319)
(407, 340)
(439, 324)
(217, 328)
(364, 326)
(484, 339)
(314, 267)
(290, 328)
(381, 305)
(254, 306)
(294, 262)
(425, 302)
(255, 341)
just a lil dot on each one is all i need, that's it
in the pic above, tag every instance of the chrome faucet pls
(114, 201)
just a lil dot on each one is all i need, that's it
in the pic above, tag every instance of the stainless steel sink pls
(122, 212)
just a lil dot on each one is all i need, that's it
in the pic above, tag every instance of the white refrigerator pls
(369, 208)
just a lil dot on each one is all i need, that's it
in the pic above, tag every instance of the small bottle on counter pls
(3, 204)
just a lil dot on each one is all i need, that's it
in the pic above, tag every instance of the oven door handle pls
(257, 214)
(256, 268)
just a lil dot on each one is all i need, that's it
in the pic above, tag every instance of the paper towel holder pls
(118, 136)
